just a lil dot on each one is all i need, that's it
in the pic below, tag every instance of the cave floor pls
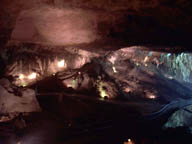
(84, 121)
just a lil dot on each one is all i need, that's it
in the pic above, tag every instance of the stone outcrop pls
(141, 79)
(11, 102)
(129, 72)
(180, 118)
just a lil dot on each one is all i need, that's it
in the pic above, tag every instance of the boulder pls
(180, 118)
(12, 103)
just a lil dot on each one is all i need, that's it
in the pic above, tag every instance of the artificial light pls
(152, 96)
(21, 76)
(61, 63)
(32, 76)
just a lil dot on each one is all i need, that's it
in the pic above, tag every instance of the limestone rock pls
(181, 118)
(11, 103)
(73, 22)
(56, 26)
(140, 79)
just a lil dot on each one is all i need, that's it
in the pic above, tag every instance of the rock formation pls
(60, 22)
(14, 101)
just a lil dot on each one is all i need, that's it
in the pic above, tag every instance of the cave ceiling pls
(101, 24)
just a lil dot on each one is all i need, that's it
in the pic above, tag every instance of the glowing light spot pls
(127, 89)
(69, 85)
(103, 94)
(114, 69)
(137, 64)
(151, 96)
(129, 141)
(146, 59)
(169, 54)
(32, 76)
(61, 63)
(102, 91)
(21, 76)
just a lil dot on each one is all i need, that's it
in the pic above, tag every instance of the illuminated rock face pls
(180, 118)
(136, 72)
(30, 64)
(55, 26)
(141, 77)
(61, 22)
(10, 102)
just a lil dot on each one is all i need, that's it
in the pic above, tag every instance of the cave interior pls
(95, 71)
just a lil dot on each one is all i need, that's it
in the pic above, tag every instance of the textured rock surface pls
(12, 103)
(56, 26)
(181, 118)
(133, 21)
(43, 60)
(131, 71)
(141, 79)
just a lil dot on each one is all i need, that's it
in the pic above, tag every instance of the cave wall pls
(133, 21)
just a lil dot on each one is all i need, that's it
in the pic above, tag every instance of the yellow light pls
(103, 94)
(32, 76)
(21, 76)
(129, 140)
(102, 91)
(61, 63)
(137, 64)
